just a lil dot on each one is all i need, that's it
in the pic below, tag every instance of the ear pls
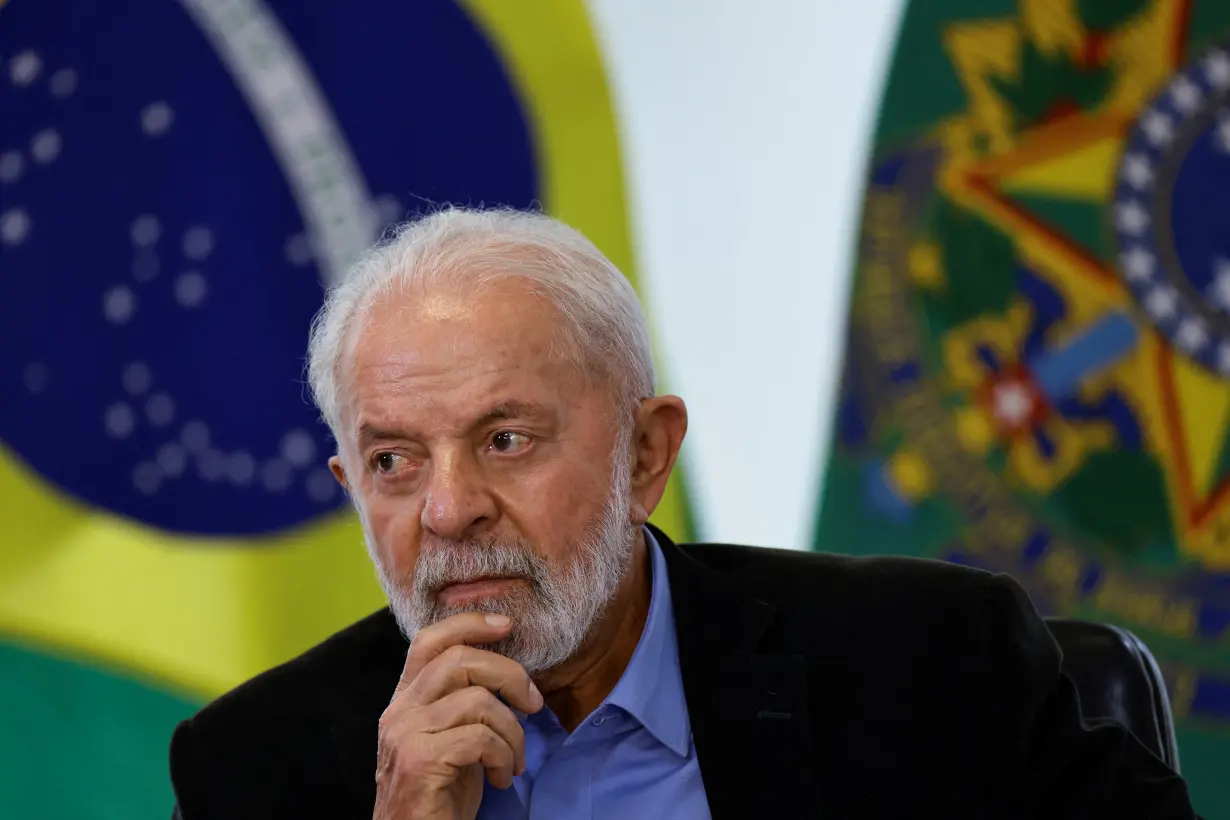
(661, 424)
(339, 472)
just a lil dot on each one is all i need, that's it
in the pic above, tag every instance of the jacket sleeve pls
(1046, 761)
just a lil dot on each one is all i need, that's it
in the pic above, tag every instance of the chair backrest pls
(1118, 678)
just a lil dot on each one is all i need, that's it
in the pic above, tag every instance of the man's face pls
(485, 467)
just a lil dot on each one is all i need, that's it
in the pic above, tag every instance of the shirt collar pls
(651, 688)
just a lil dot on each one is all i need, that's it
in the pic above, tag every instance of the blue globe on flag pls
(178, 181)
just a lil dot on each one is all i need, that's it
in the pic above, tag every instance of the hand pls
(445, 725)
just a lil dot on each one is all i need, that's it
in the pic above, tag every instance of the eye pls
(507, 441)
(387, 463)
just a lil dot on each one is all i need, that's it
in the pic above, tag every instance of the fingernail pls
(535, 696)
(497, 620)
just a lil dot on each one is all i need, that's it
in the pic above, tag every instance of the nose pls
(458, 505)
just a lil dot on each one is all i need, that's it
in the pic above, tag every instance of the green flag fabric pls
(1037, 373)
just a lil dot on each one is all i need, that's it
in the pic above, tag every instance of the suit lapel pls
(748, 708)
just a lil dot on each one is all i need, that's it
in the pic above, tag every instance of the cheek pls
(554, 508)
(394, 528)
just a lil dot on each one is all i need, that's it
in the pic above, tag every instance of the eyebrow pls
(502, 411)
(513, 409)
(369, 433)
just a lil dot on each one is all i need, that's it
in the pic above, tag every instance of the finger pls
(476, 705)
(478, 743)
(459, 667)
(463, 628)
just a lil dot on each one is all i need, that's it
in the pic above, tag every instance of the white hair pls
(603, 329)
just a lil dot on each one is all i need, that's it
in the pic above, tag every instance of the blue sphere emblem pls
(1172, 197)
(169, 212)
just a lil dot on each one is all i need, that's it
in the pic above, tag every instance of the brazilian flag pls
(177, 182)
(1038, 366)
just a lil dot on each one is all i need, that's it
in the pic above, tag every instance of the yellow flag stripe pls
(198, 614)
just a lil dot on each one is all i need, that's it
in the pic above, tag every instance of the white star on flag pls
(24, 68)
(1138, 264)
(1219, 290)
(1221, 132)
(1161, 303)
(1158, 128)
(1131, 218)
(1217, 69)
(1191, 335)
(1185, 94)
(1137, 172)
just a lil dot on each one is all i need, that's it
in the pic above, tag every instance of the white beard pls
(553, 614)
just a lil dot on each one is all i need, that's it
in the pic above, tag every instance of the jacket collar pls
(748, 704)
(748, 708)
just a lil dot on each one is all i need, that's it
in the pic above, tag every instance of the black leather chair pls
(1118, 678)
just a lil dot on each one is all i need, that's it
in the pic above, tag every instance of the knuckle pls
(421, 643)
(389, 734)
(432, 631)
(390, 718)
(410, 694)
(477, 734)
(429, 640)
(455, 655)
(453, 676)
(477, 699)
(489, 742)
(488, 739)
(396, 725)
(402, 755)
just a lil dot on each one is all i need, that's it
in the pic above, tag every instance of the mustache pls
(443, 563)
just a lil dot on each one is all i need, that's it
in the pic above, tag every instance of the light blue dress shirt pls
(632, 757)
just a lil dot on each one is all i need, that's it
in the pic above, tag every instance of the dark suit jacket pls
(817, 686)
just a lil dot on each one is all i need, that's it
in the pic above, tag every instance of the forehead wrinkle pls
(391, 315)
(450, 308)
(450, 403)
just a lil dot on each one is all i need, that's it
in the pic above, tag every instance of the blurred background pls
(936, 277)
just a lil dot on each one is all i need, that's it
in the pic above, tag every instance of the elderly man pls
(548, 654)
